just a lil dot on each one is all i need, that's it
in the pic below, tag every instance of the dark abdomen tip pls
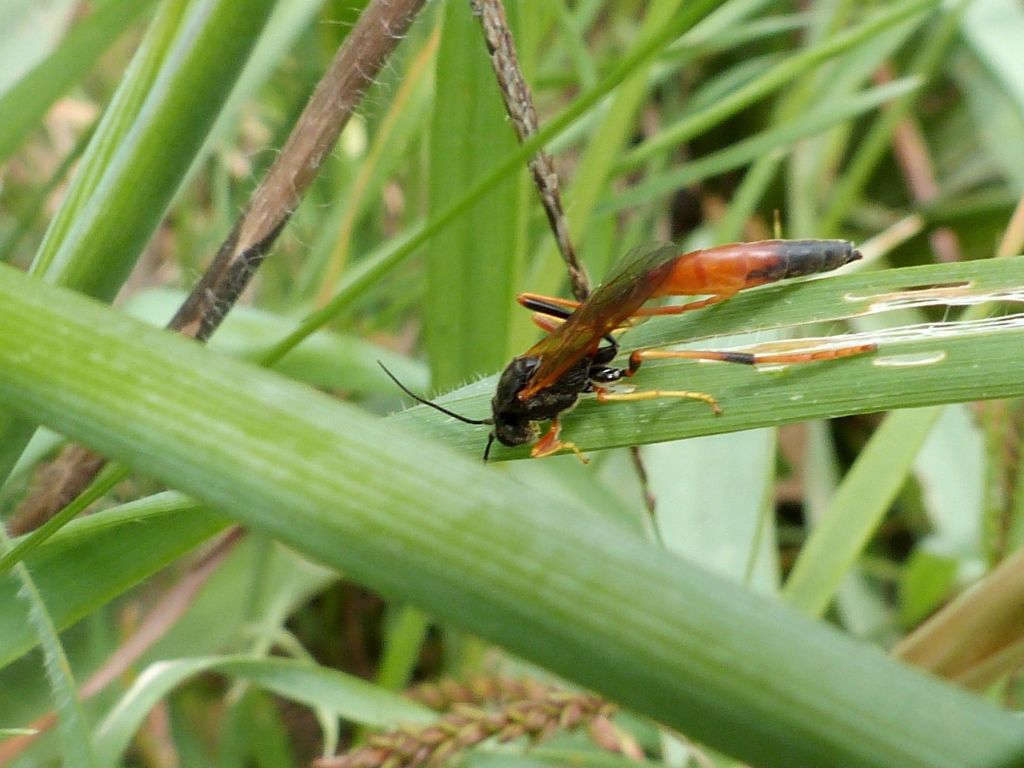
(809, 257)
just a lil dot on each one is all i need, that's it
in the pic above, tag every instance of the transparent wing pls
(630, 283)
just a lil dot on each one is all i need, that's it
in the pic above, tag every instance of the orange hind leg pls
(747, 358)
(744, 358)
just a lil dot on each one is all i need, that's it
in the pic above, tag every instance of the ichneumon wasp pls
(576, 355)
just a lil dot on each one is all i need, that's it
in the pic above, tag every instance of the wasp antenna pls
(424, 400)
(487, 449)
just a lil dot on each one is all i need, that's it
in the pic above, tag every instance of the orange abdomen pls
(726, 269)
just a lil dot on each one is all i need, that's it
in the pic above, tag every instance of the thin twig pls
(56, 485)
(650, 501)
(379, 29)
(519, 105)
(376, 34)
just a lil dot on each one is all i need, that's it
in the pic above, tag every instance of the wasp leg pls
(679, 309)
(556, 307)
(747, 358)
(548, 305)
(550, 444)
(604, 396)
(550, 312)
(549, 324)
(546, 323)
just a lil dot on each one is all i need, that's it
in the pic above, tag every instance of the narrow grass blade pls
(133, 542)
(473, 263)
(856, 510)
(773, 79)
(774, 140)
(316, 686)
(993, 28)
(24, 104)
(143, 154)
(76, 744)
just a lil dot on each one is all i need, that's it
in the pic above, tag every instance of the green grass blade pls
(993, 83)
(473, 263)
(406, 632)
(108, 136)
(772, 140)
(76, 744)
(856, 510)
(24, 104)
(993, 28)
(133, 542)
(875, 141)
(775, 78)
(9, 732)
(561, 586)
(329, 360)
(129, 190)
(718, 524)
(603, 146)
(111, 132)
(110, 476)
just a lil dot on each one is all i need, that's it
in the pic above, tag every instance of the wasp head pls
(513, 424)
